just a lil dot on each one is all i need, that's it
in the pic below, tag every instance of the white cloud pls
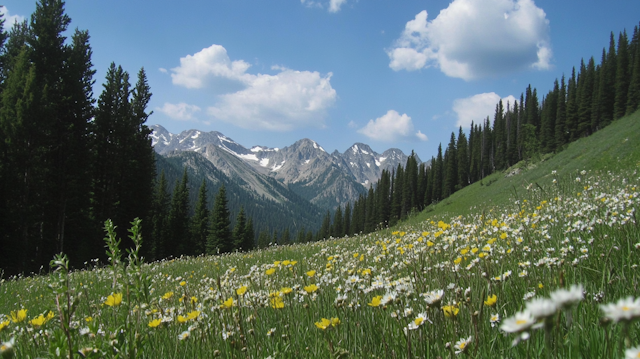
(163, 70)
(476, 108)
(10, 20)
(334, 5)
(180, 111)
(209, 63)
(281, 102)
(476, 38)
(392, 127)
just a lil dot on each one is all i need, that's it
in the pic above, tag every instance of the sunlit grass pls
(440, 287)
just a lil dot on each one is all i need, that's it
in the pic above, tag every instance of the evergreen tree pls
(572, 109)
(451, 168)
(220, 238)
(585, 90)
(499, 137)
(396, 200)
(239, 235)
(438, 176)
(200, 223)
(370, 212)
(548, 120)
(325, 229)
(338, 223)
(178, 237)
(633, 96)
(160, 220)
(249, 235)
(263, 239)
(347, 219)
(286, 237)
(622, 76)
(607, 89)
(561, 116)
(462, 159)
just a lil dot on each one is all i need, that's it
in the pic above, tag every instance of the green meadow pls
(539, 261)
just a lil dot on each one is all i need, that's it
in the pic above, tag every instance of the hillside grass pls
(441, 284)
(614, 148)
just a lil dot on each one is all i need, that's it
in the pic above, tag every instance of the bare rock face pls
(327, 180)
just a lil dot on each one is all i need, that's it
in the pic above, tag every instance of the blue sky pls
(388, 73)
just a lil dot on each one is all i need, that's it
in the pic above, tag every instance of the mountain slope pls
(326, 180)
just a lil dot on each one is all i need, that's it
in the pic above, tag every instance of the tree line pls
(575, 107)
(66, 163)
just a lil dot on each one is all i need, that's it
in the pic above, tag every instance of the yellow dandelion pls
(286, 290)
(241, 290)
(155, 323)
(167, 295)
(375, 302)
(450, 311)
(276, 302)
(19, 316)
(114, 300)
(311, 273)
(270, 271)
(323, 323)
(193, 315)
(4, 325)
(228, 303)
(183, 283)
(311, 288)
(491, 300)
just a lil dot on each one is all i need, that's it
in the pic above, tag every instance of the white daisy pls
(565, 298)
(625, 309)
(541, 308)
(463, 344)
(520, 322)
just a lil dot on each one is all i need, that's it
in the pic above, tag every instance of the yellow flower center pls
(418, 320)
(520, 321)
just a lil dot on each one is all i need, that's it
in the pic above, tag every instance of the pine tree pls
(239, 235)
(178, 237)
(325, 229)
(633, 96)
(263, 239)
(451, 168)
(499, 136)
(607, 90)
(347, 219)
(622, 76)
(561, 116)
(572, 109)
(438, 176)
(548, 121)
(370, 212)
(463, 159)
(585, 90)
(200, 223)
(338, 223)
(249, 235)
(286, 237)
(220, 238)
(160, 220)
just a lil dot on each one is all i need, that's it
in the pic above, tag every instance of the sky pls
(388, 73)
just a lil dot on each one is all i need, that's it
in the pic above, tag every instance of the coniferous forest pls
(69, 161)
(577, 106)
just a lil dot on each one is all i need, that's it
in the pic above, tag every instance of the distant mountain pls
(326, 180)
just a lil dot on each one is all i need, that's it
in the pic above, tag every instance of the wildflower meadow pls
(551, 274)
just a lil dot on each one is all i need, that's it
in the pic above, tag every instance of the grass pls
(416, 291)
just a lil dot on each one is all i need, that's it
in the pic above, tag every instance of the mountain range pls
(305, 168)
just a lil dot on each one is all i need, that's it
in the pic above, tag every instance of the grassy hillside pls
(613, 148)
(515, 267)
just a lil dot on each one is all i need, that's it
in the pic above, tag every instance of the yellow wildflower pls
(155, 323)
(286, 290)
(183, 283)
(491, 300)
(228, 303)
(4, 325)
(323, 323)
(375, 301)
(167, 295)
(450, 311)
(114, 300)
(311, 288)
(270, 271)
(276, 302)
(241, 290)
(19, 316)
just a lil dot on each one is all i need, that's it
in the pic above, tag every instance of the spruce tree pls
(220, 238)
(347, 219)
(338, 224)
(286, 237)
(622, 76)
(463, 159)
(249, 236)
(159, 220)
(178, 240)
(200, 223)
(239, 235)
(561, 116)
(633, 96)
(451, 168)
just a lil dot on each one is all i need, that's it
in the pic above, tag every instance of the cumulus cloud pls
(475, 38)
(287, 100)
(333, 6)
(10, 20)
(476, 108)
(392, 127)
(180, 111)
